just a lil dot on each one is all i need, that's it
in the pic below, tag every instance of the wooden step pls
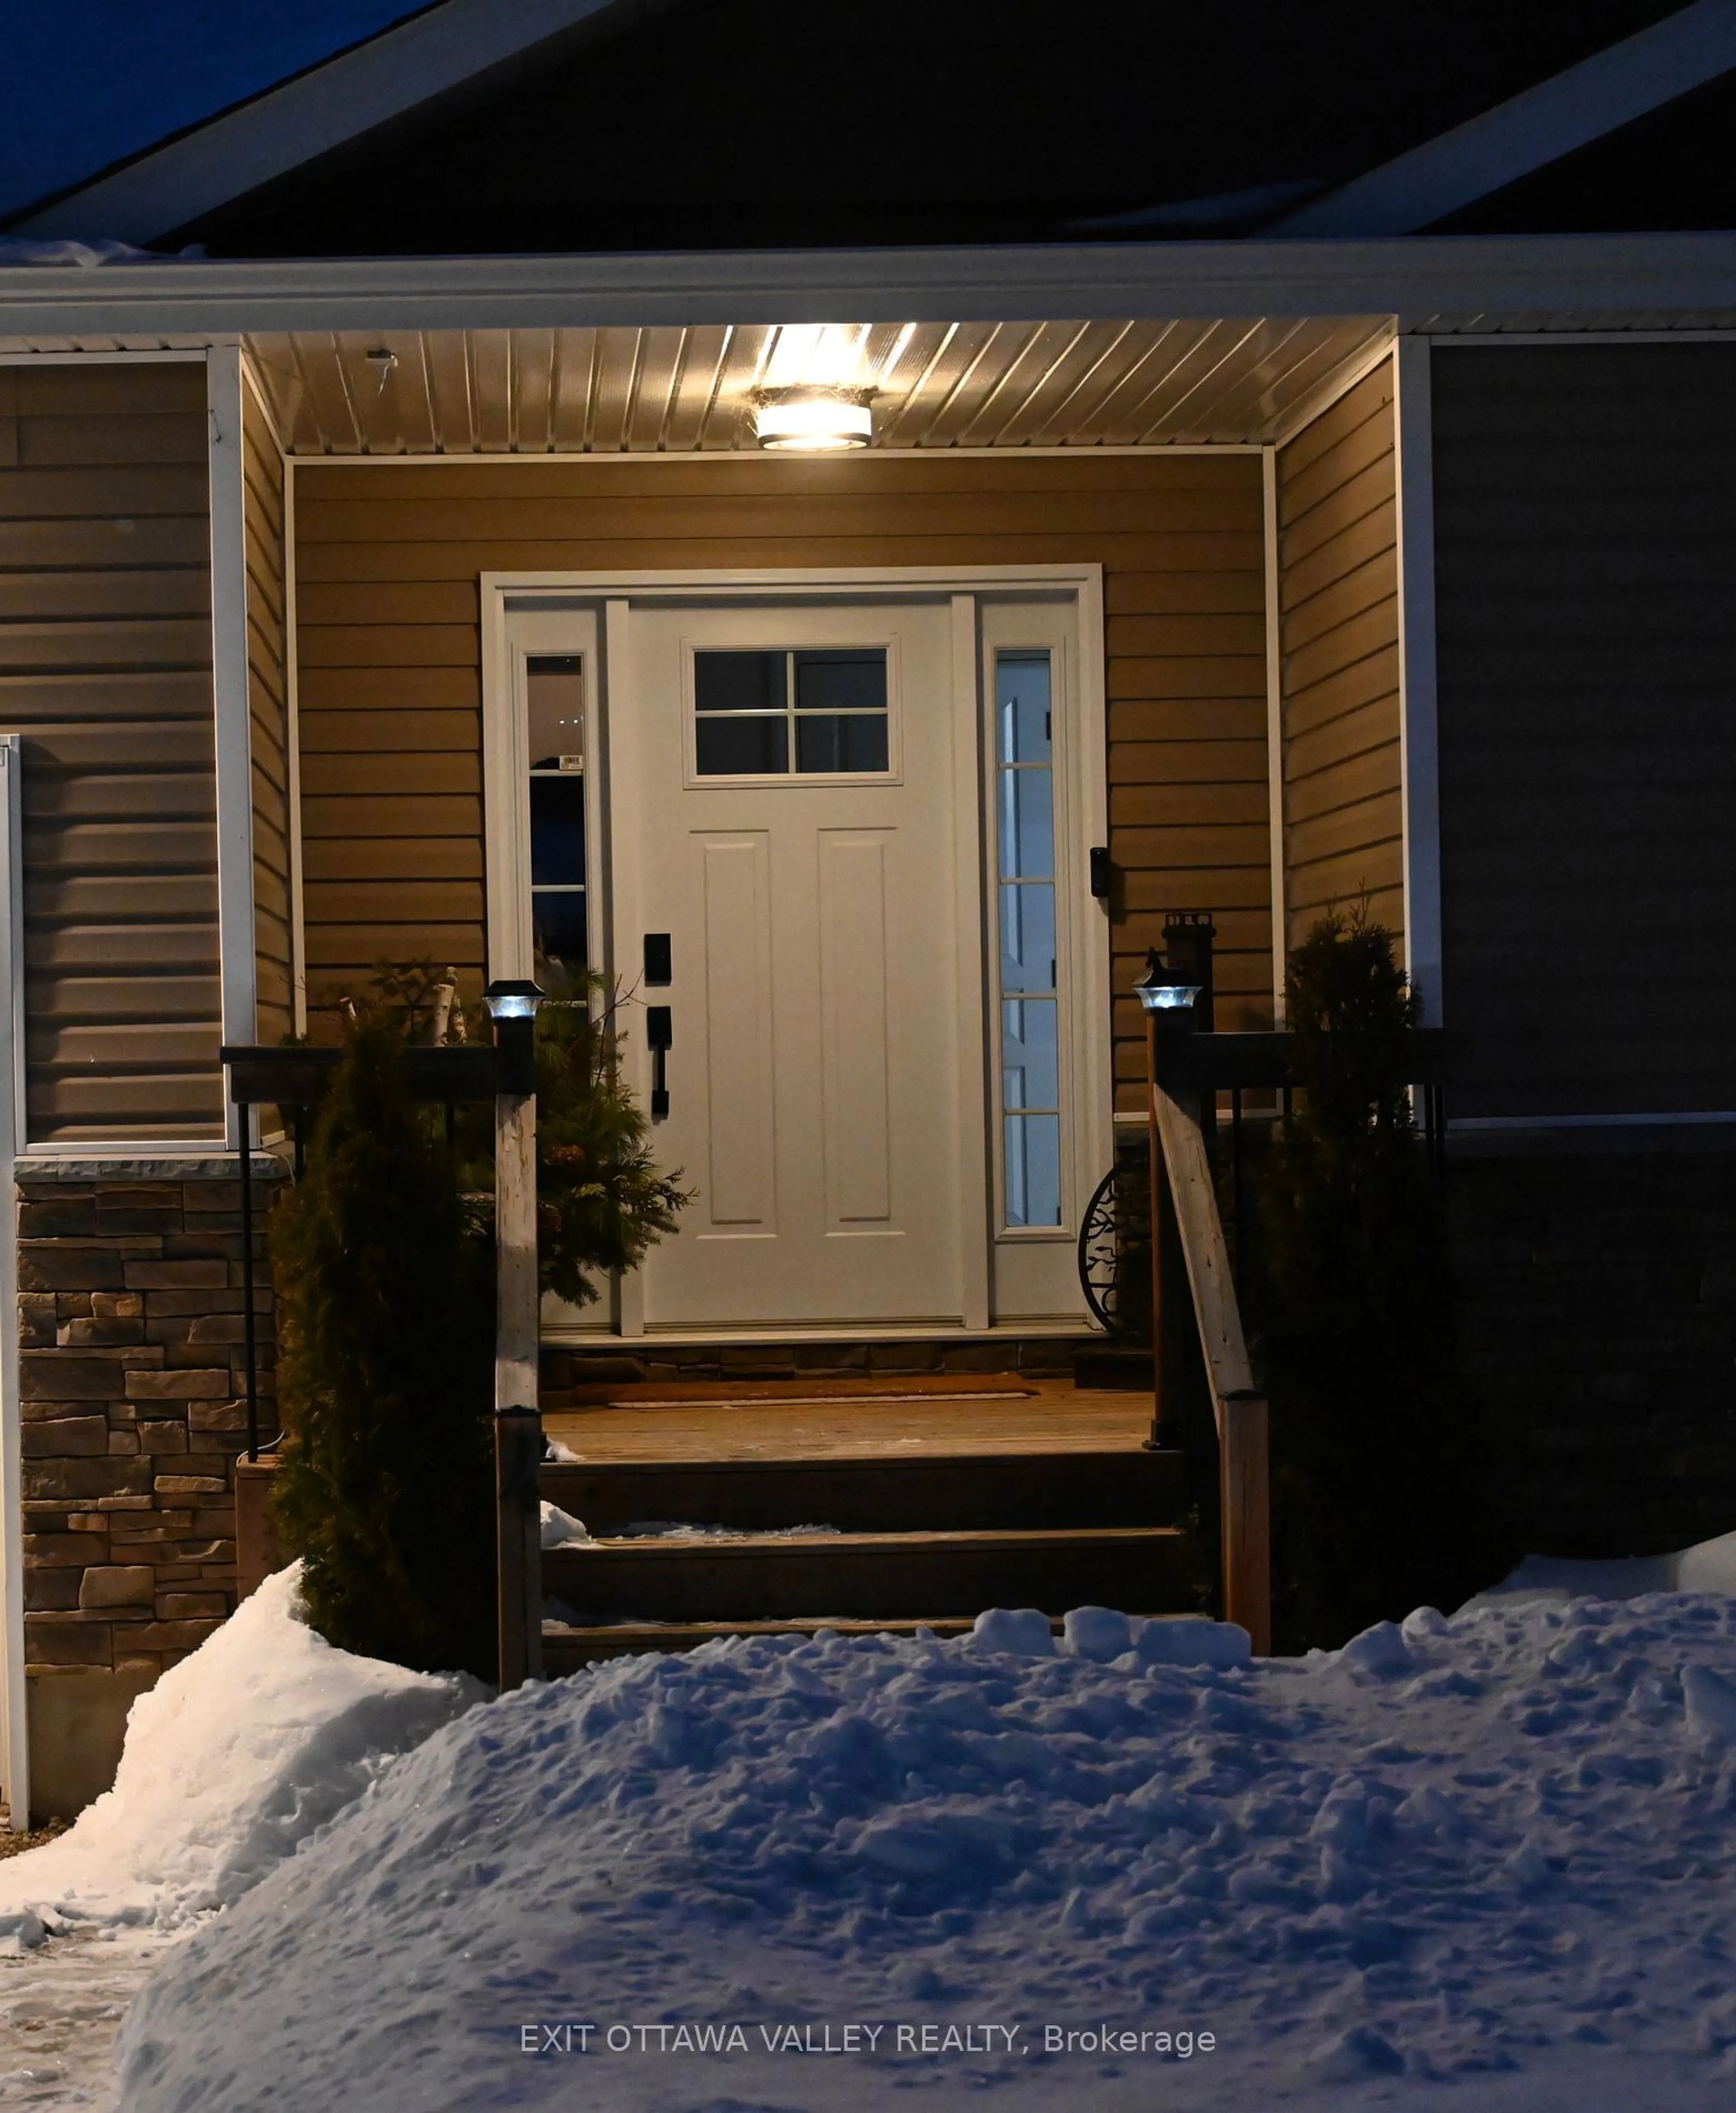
(565, 1650)
(878, 1575)
(933, 1493)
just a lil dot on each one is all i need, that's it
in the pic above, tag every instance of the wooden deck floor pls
(991, 1414)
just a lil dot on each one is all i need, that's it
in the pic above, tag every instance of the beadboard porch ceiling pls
(670, 390)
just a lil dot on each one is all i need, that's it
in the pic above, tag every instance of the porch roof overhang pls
(1255, 331)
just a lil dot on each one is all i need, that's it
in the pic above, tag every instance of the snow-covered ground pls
(235, 1756)
(1478, 1862)
(59, 2006)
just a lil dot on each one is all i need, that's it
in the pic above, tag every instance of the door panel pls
(856, 972)
(740, 1068)
(797, 842)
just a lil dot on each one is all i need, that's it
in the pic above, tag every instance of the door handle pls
(659, 1035)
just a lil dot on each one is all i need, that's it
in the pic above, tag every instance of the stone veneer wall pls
(133, 1393)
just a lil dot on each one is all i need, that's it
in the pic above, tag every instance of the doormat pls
(806, 1393)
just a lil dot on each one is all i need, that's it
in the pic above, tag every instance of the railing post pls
(1169, 1292)
(1245, 1449)
(249, 1347)
(518, 1424)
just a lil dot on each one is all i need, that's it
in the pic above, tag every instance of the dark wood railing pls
(1187, 1074)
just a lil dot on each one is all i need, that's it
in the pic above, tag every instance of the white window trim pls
(508, 598)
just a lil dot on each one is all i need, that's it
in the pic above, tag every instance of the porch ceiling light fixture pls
(814, 418)
(1161, 990)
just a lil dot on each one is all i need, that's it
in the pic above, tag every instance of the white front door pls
(787, 770)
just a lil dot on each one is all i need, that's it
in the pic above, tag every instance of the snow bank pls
(1493, 1849)
(236, 1755)
(1709, 1567)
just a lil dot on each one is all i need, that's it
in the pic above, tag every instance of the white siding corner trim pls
(1418, 748)
(234, 732)
(15, 1755)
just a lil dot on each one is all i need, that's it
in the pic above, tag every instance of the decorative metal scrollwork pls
(1115, 1252)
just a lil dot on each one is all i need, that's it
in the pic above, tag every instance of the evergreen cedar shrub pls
(383, 1256)
(385, 1488)
(601, 1201)
(1376, 1507)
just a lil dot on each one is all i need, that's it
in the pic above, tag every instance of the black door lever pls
(659, 1035)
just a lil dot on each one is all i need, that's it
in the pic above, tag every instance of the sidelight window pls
(555, 685)
(1028, 993)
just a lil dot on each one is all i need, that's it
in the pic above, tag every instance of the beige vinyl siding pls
(268, 692)
(1338, 619)
(1585, 589)
(390, 688)
(105, 669)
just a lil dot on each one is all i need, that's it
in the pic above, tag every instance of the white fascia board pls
(1559, 116)
(1412, 279)
(167, 186)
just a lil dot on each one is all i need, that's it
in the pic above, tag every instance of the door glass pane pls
(738, 681)
(1028, 937)
(556, 687)
(1028, 969)
(558, 828)
(841, 682)
(738, 745)
(1033, 1170)
(1029, 1073)
(1027, 819)
(1022, 702)
(836, 741)
(558, 925)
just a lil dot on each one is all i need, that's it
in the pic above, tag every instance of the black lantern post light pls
(517, 1423)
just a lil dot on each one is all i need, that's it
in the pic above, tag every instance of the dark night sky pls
(85, 82)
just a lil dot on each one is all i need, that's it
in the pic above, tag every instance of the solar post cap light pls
(1163, 990)
(512, 1005)
(814, 418)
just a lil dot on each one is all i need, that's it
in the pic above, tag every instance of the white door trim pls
(508, 597)
(975, 1159)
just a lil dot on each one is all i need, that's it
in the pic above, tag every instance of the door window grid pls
(1027, 972)
(559, 927)
(798, 711)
